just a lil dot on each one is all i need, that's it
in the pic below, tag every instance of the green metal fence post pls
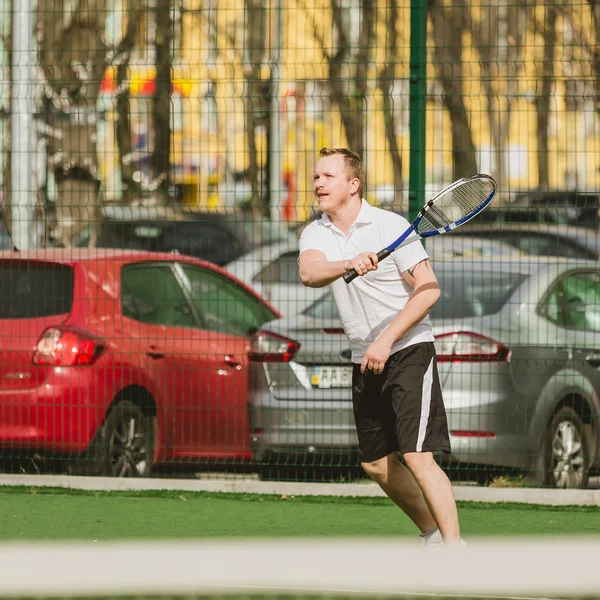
(418, 104)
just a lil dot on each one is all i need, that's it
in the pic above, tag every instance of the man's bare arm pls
(316, 271)
(427, 292)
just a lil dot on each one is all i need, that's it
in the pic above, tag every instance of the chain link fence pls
(193, 127)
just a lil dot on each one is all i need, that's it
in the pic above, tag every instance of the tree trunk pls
(385, 81)
(249, 102)
(161, 105)
(348, 66)
(348, 72)
(501, 29)
(542, 100)
(72, 55)
(256, 98)
(513, 23)
(595, 49)
(484, 36)
(5, 204)
(595, 53)
(447, 33)
(131, 187)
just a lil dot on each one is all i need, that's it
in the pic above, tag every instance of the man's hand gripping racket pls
(452, 207)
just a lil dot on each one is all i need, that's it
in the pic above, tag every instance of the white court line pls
(509, 567)
(351, 592)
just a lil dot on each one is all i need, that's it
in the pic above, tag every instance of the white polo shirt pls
(371, 302)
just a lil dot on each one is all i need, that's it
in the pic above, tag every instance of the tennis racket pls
(451, 208)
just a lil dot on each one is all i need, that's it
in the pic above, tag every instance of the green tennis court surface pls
(56, 513)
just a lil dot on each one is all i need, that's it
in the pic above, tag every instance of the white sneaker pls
(434, 541)
(431, 540)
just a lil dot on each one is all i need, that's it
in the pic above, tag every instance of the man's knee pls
(419, 462)
(378, 470)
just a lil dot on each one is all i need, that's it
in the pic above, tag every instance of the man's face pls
(331, 185)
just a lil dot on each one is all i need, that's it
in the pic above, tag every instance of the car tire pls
(127, 442)
(566, 451)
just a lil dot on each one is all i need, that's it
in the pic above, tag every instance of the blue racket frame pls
(402, 240)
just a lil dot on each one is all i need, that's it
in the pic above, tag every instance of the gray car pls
(518, 350)
(273, 270)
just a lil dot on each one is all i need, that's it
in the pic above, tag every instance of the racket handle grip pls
(352, 274)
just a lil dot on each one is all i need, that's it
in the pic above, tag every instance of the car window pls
(518, 214)
(34, 290)
(283, 269)
(463, 294)
(125, 235)
(209, 240)
(225, 306)
(574, 208)
(468, 293)
(448, 247)
(539, 245)
(324, 308)
(212, 240)
(151, 294)
(574, 302)
(538, 242)
(262, 232)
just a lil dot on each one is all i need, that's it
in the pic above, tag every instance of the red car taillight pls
(59, 347)
(464, 346)
(270, 347)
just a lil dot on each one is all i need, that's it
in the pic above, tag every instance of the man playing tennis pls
(396, 393)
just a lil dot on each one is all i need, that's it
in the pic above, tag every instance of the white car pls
(273, 270)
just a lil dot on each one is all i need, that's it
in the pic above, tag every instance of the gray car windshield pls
(464, 294)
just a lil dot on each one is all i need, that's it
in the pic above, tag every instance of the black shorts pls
(402, 409)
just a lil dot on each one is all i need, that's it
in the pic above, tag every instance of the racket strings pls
(455, 204)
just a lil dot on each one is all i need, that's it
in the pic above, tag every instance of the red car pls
(125, 359)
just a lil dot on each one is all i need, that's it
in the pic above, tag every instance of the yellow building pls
(210, 152)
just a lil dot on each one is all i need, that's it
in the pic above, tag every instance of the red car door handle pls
(230, 361)
(155, 355)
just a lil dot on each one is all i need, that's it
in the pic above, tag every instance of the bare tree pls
(448, 25)
(385, 82)
(161, 114)
(580, 56)
(256, 95)
(6, 41)
(543, 95)
(131, 187)
(348, 60)
(498, 37)
(594, 49)
(251, 56)
(72, 56)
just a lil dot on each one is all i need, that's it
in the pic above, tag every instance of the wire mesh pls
(192, 128)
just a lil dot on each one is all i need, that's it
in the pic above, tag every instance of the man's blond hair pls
(352, 163)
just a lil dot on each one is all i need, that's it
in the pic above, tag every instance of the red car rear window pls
(31, 290)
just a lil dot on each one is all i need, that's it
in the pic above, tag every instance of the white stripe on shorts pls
(425, 405)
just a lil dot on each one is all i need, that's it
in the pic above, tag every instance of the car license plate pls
(332, 377)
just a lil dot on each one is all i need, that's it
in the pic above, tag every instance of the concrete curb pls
(462, 493)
